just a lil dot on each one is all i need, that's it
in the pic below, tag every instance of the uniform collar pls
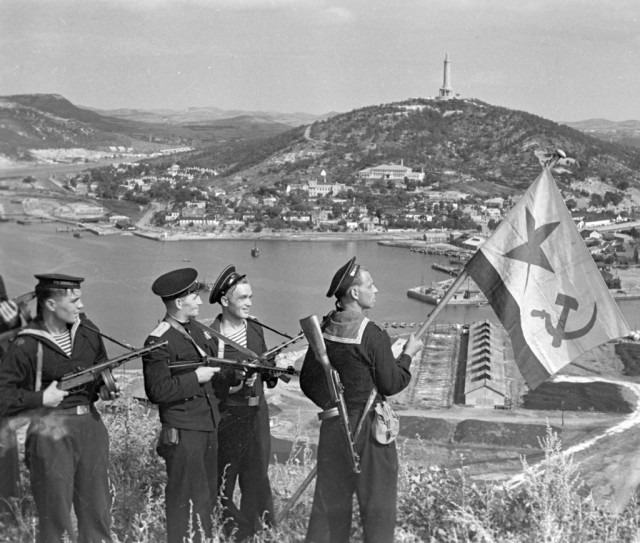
(38, 330)
(346, 327)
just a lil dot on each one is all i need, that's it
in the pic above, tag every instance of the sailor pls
(9, 460)
(360, 351)
(188, 405)
(244, 435)
(67, 446)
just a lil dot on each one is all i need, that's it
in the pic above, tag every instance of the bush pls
(545, 503)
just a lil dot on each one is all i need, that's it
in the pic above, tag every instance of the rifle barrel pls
(86, 375)
(24, 298)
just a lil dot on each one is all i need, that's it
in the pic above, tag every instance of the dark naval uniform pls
(189, 415)
(67, 447)
(245, 446)
(361, 353)
(9, 460)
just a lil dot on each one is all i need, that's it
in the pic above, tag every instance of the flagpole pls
(442, 303)
(558, 154)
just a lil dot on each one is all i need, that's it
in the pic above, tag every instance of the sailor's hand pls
(9, 313)
(412, 346)
(205, 373)
(106, 394)
(52, 395)
(251, 380)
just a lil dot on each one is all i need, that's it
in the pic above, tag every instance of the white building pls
(323, 189)
(397, 172)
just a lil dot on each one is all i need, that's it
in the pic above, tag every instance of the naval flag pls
(543, 285)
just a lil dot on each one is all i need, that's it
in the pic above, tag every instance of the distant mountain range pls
(199, 115)
(625, 132)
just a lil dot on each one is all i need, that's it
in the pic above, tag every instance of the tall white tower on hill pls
(446, 91)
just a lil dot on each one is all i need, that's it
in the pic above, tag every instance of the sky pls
(565, 60)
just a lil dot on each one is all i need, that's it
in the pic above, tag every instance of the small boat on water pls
(255, 252)
(77, 234)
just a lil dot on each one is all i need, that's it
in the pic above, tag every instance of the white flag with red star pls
(543, 285)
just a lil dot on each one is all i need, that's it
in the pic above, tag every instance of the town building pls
(397, 172)
(485, 378)
(321, 188)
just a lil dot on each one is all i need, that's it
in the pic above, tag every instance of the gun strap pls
(175, 324)
(125, 345)
(39, 358)
(236, 346)
(253, 319)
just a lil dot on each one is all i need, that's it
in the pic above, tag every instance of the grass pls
(548, 504)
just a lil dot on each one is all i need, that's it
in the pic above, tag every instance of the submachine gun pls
(103, 370)
(248, 366)
(313, 332)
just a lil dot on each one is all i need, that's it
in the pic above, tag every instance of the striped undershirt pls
(240, 337)
(63, 341)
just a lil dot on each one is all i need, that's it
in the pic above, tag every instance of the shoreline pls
(390, 237)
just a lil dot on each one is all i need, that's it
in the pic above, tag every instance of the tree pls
(612, 197)
(596, 200)
(336, 210)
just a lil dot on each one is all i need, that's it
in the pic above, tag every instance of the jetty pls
(468, 294)
(451, 270)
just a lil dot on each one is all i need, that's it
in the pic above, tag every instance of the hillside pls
(464, 144)
(460, 144)
(49, 121)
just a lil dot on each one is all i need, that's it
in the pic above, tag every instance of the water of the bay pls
(289, 279)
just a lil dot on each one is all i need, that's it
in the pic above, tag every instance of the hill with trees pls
(486, 149)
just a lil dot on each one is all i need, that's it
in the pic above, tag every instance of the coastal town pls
(174, 202)
(390, 203)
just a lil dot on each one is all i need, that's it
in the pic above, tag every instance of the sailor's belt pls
(76, 410)
(329, 413)
(253, 401)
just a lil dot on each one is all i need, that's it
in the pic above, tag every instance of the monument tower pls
(446, 91)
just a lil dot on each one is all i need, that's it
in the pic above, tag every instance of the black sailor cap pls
(58, 280)
(224, 282)
(343, 278)
(177, 283)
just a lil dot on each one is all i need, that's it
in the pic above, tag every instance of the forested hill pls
(490, 149)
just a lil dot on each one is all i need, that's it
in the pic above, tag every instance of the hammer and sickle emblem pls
(558, 333)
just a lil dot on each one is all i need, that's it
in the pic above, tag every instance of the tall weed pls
(548, 504)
